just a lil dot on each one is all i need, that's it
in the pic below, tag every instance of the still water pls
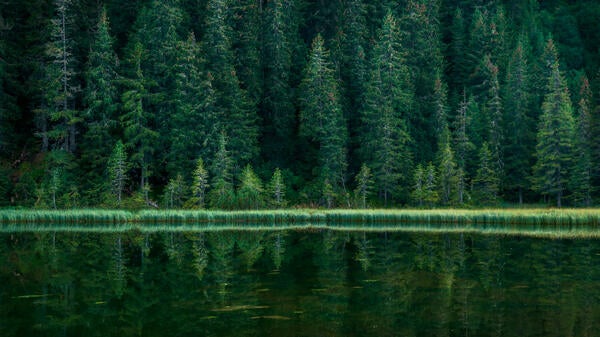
(297, 283)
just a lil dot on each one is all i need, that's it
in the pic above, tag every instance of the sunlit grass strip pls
(562, 220)
(66, 217)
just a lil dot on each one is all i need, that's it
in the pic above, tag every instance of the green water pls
(297, 283)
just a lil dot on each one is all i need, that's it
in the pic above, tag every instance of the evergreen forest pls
(250, 104)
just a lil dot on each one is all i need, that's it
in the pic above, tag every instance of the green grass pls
(530, 222)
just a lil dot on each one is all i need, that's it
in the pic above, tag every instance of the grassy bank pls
(375, 217)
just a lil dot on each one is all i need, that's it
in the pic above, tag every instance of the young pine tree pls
(485, 183)
(430, 190)
(364, 185)
(199, 185)
(222, 195)
(277, 189)
(117, 171)
(418, 193)
(251, 192)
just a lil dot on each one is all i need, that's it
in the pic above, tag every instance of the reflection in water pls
(296, 283)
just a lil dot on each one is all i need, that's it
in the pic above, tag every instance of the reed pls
(540, 221)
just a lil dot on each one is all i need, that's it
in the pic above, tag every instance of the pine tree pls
(199, 184)
(321, 119)
(419, 29)
(277, 189)
(117, 171)
(463, 144)
(385, 139)
(554, 150)
(101, 100)
(418, 193)
(517, 124)
(136, 120)
(447, 177)
(364, 185)
(493, 110)
(430, 190)
(485, 183)
(237, 116)
(251, 192)
(581, 180)
(222, 194)
(278, 101)
(58, 115)
(195, 120)
(174, 192)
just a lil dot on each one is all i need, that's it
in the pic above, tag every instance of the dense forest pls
(274, 103)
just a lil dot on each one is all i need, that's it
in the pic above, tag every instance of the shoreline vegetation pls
(551, 223)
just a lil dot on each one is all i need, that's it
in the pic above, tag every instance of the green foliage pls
(418, 192)
(199, 185)
(581, 179)
(554, 150)
(448, 176)
(364, 185)
(117, 171)
(250, 194)
(101, 99)
(486, 181)
(385, 138)
(277, 189)
(321, 119)
(430, 189)
(174, 192)
(222, 195)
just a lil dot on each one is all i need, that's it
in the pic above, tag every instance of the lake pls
(310, 282)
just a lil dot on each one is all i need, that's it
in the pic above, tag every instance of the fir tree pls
(237, 116)
(199, 184)
(251, 192)
(100, 97)
(277, 189)
(485, 183)
(581, 180)
(58, 115)
(222, 194)
(364, 185)
(447, 178)
(418, 193)
(321, 119)
(136, 120)
(517, 124)
(430, 190)
(174, 192)
(554, 150)
(385, 145)
(117, 171)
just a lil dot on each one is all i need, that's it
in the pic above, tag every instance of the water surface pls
(296, 283)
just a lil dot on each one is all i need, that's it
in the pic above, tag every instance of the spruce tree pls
(486, 183)
(136, 120)
(278, 101)
(385, 139)
(251, 192)
(447, 177)
(199, 184)
(195, 120)
(418, 192)
(430, 190)
(237, 115)
(321, 119)
(276, 189)
(364, 185)
(101, 100)
(554, 150)
(581, 180)
(174, 192)
(59, 118)
(494, 111)
(222, 194)
(463, 145)
(517, 123)
(117, 171)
